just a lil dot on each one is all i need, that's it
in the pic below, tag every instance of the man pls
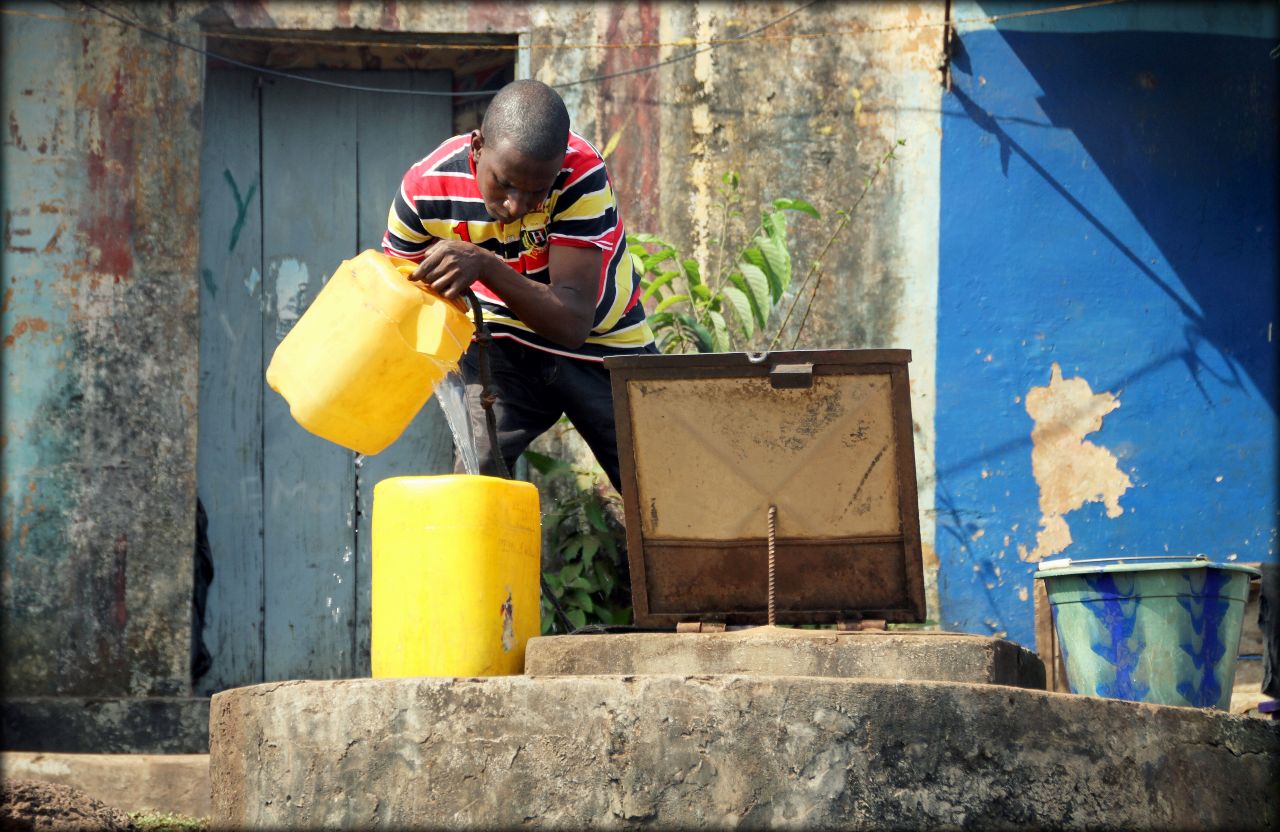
(522, 211)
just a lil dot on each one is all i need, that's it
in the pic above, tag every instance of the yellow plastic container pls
(365, 357)
(455, 575)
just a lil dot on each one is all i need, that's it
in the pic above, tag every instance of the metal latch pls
(791, 376)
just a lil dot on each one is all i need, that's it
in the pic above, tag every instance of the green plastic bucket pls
(1164, 630)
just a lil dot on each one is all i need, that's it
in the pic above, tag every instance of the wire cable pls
(361, 88)
(279, 73)
(709, 44)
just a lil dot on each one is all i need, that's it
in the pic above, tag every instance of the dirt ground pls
(28, 804)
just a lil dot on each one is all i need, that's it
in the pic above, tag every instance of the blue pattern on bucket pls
(1119, 624)
(1206, 622)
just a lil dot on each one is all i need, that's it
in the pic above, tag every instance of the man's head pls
(519, 148)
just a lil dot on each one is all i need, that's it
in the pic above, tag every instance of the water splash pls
(451, 393)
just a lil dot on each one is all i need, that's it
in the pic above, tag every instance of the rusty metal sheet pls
(709, 442)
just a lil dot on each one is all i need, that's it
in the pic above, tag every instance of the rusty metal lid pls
(707, 443)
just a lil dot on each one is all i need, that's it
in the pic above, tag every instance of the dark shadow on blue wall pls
(1184, 127)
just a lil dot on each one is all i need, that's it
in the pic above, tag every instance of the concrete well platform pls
(781, 651)
(713, 751)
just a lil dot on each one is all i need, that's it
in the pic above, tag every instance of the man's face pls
(511, 183)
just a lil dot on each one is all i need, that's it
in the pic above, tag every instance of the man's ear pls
(477, 141)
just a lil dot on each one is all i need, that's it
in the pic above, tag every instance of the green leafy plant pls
(587, 547)
(734, 301)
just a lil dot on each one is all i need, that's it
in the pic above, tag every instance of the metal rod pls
(487, 398)
(773, 517)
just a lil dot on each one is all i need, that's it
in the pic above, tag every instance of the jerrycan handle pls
(407, 268)
(424, 330)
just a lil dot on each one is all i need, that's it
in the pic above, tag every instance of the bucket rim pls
(1061, 567)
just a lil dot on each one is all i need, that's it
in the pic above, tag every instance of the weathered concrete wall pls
(1107, 359)
(675, 752)
(99, 322)
(99, 317)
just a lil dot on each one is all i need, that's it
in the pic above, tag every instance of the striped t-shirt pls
(439, 199)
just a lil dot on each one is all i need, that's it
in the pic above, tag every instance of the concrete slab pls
(130, 782)
(717, 751)
(783, 651)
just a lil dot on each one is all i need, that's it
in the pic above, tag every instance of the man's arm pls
(561, 310)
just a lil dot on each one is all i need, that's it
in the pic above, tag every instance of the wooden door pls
(295, 178)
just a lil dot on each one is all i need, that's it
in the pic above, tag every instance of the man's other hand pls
(451, 266)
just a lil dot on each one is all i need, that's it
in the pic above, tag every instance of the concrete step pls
(784, 651)
(129, 782)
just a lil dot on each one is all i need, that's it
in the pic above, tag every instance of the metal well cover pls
(707, 443)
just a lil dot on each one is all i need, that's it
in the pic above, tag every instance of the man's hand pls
(451, 266)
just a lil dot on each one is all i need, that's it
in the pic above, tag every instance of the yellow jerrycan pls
(456, 561)
(365, 356)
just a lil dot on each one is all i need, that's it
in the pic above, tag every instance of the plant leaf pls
(670, 301)
(570, 572)
(720, 331)
(595, 516)
(605, 577)
(656, 258)
(581, 600)
(641, 237)
(701, 335)
(758, 290)
(797, 205)
(775, 225)
(590, 546)
(736, 279)
(612, 144)
(577, 618)
(655, 285)
(554, 582)
(547, 465)
(691, 271)
(742, 310)
(778, 263)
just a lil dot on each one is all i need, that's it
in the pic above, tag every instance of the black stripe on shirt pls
(610, 286)
(587, 228)
(454, 210)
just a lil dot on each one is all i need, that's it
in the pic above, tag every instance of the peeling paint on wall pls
(1069, 470)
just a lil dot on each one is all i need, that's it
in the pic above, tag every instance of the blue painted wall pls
(1108, 203)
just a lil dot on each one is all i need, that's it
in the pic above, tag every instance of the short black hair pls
(531, 117)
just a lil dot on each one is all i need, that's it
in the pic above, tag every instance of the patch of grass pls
(168, 822)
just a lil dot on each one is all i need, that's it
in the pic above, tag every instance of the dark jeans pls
(534, 389)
